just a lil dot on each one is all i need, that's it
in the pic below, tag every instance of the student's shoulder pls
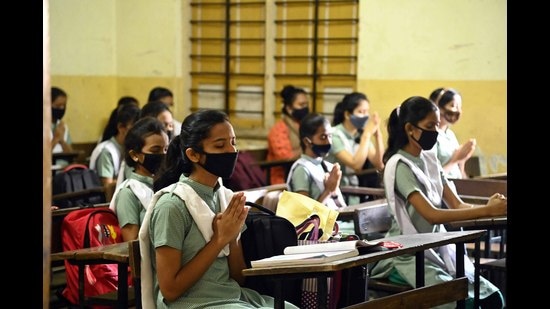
(278, 133)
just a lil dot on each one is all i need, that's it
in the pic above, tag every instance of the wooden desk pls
(267, 165)
(346, 213)
(498, 176)
(480, 186)
(110, 254)
(412, 244)
(482, 223)
(66, 156)
(496, 224)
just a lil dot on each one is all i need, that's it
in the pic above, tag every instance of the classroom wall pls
(412, 47)
(102, 50)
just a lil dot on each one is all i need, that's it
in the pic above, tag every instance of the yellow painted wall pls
(412, 47)
(102, 50)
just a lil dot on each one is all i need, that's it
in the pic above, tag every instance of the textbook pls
(319, 253)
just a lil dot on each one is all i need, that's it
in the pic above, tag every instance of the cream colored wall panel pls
(82, 37)
(148, 38)
(426, 39)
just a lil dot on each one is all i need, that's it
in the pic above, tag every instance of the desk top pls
(411, 243)
(115, 253)
(69, 156)
(481, 223)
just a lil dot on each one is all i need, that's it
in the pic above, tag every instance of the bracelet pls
(334, 196)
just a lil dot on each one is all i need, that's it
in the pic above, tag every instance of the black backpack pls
(73, 179)
(267, 235)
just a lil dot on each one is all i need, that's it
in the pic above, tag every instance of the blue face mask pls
(358, 122)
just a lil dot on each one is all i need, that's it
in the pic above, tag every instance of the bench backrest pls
(135, 268)
(373, 221)
(480, 187)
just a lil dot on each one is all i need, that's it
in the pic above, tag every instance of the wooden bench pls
(425, 297)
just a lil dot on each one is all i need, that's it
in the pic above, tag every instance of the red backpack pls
(86, 228)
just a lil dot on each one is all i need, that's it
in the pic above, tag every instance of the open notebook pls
(320, 253)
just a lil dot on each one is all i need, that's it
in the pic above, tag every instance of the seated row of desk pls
(412, 244)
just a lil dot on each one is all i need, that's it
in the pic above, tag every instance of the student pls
(145, 147)
(310, 175)
(110, 128)
(416, 189)
(452, 155)
(107, 156)
(160, 111)
(282, 140)
(191, 230)
(354, 128)
(61, 139)
(167, 97)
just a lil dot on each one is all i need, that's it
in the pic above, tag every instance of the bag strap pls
(313, 219)
(260, 207)
(75, 166)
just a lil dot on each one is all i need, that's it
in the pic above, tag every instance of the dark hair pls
(412, 110)
(110, 128)
(127, 100)
(57, 92)
(289, 94)
(158, 93)
(194, 130)
(127, 114)
(309, 125)
(135, 139)
(348, 103)
(153, 109)
(442, 96)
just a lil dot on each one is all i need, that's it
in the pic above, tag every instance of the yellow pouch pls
(296, 208)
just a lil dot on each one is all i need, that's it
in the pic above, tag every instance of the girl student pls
(190, 236)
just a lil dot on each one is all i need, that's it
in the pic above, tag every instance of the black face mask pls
(220, 164)
(427, 138)
(57, 113)
(152, 161)
(320, 150)
(299, 114)
(358, 122)
(170, 135)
